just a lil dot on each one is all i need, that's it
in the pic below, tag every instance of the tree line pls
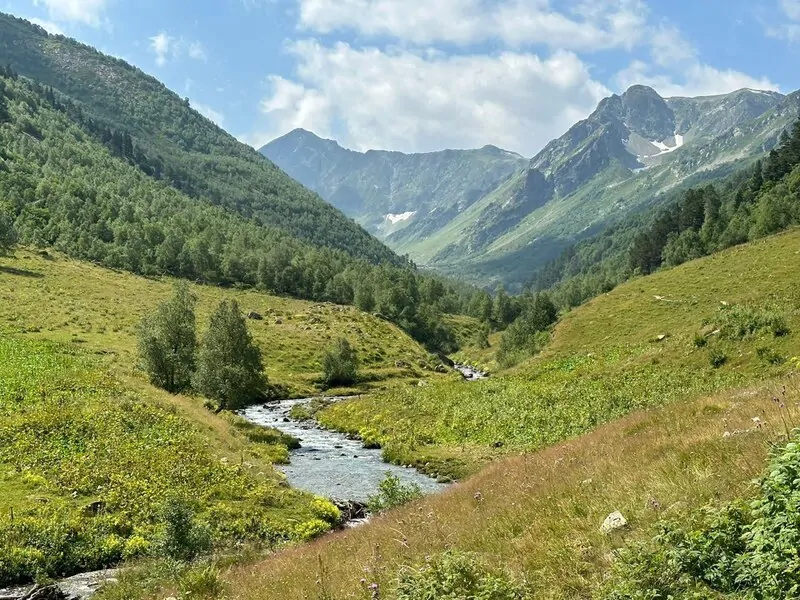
(61, 188)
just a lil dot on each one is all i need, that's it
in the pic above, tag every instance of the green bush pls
(743, 550)
(700, 341)
(340, 364)
(392, 492)
(183, 538)
(717, 358)
(456, 576)
(738, 321)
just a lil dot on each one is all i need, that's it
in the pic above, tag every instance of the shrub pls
(313, 528)
(168, 341)
(738, 321)
(229, 367)
(717, 358)
(392, 492)
(326, 510)
(182, 538)
(456, 576)
(202, 581)
(769, 355)
(340, 364)
(743, 550)
(700, 341)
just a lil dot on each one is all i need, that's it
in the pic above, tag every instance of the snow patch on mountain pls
(398, 218)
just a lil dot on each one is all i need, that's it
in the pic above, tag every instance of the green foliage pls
(229, 368)
(700, 341)
(340, 364)
(742, 550)
(482, 336)
(201, 582)
(717, 358)
(183, 537)
(7, 234)
(739, 321)
(168, 341)
(528, 335)
(391, 493)
(456, 575)
(98, 466)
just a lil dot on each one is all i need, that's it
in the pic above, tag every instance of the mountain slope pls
(623, 158)
(626, 156)
(540, 513)
(175, 143)
(390, 192)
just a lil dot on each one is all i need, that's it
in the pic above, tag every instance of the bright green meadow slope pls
(712, 324)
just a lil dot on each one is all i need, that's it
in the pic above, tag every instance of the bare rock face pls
(614, 522)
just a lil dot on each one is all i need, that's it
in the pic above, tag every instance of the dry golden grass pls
(540, 513)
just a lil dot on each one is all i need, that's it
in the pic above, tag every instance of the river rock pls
(614, 522)
(254, 316)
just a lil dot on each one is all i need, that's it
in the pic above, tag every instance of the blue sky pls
(421, 75)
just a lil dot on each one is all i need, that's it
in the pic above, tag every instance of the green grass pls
(90, 452)
(87, 466)
(59, 299)
(630, 349)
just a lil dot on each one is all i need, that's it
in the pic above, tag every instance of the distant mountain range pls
(490, 215)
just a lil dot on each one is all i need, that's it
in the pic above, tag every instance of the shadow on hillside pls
(21, 272)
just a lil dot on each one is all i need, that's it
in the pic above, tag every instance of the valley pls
(307, 372)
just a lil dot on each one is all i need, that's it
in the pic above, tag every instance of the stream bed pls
(328, 463)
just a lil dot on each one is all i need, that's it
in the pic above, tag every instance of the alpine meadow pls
(359, 350)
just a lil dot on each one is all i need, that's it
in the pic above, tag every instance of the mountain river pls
(330, 464)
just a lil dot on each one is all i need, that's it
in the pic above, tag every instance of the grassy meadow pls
(655, 340)
(92, 456)
(55, 298)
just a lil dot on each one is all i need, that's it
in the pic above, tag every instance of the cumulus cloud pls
(590, 25)
(422, 101)
(422, 75)
(168, 48)
(676, 70)
(89, 12)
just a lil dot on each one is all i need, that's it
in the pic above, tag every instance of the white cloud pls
(168, 48)
(209, 113)
(697, 79)
(89, 12)
(591, 25)
(160, 45)
(676, 70)
(787, 27)
(48, 26)
(197, 51)
(422, 101)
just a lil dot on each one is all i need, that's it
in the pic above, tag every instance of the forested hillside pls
(71, 180)
(172, 142)
(752, 203)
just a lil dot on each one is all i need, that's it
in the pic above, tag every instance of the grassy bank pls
(54, 298)
(88, 469)
(538, 514)
(713, 324)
